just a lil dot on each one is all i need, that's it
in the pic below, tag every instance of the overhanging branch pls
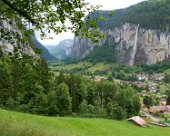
(22, 13)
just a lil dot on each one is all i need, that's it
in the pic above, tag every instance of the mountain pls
(45, 53)
(139, 34)
(28, 47)
(8, 41)
(62, 50)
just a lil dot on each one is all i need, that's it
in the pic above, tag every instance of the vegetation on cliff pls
(152, 14)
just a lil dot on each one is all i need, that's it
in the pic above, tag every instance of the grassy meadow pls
(20, 124)
(81, 67)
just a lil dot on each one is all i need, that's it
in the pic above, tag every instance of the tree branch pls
(22, 13)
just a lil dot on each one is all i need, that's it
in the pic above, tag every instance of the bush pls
(119, 113)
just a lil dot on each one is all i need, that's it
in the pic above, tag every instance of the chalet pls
(144, 107)
(97, 78)
(139, 84)
(153, 89)
(163, 101)
(143, 93)
(138, 121)
(161, 109)
(142, 76)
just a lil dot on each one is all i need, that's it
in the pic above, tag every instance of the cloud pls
(113, 4)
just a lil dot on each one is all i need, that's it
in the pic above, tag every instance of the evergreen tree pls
(6, 88)
(83, 108)
(168, 99)
(60, 79)
(63, 100)
(44, 76)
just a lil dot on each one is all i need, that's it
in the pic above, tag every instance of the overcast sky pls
(106, 5)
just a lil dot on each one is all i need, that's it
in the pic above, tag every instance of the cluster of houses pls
(160, 109)
(152, 111)
(153, 77)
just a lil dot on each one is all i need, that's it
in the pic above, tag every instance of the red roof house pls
(138, 121)
(155, 109)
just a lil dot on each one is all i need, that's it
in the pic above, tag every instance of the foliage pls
(167, 78)
(151, 101)
(168, 99)
(148, 14)
(104, 53)
(63, 99)
(50, 16)
(27, 86)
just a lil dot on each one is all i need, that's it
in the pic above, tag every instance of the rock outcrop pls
(11, 38)
(152, 46)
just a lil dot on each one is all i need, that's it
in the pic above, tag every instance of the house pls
(139, 84)
(142, 76)
(163, 101)
(152, 89)
(97, 78)
(143, 93)
(144, 107)
(161, 109)
(138, 121)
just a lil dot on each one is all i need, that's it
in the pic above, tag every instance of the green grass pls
(20, 124)
(88, 66)
(100, 67)
(72, 66)
(167, 71)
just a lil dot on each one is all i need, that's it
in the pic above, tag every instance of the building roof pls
(138, 120)
(155, 109)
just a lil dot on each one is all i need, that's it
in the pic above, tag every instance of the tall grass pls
(14, 128)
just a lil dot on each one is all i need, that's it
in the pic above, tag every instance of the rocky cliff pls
(62, 50)
(140, 33)
(11, 36)
(135, 45)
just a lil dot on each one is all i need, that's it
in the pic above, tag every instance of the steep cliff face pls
(9, 42)
(135, 45)
(139, 33)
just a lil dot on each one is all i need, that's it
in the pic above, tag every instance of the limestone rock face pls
(152, 46)
(8, 44)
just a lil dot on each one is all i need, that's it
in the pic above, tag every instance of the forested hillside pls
(44, 52)
(152, 14)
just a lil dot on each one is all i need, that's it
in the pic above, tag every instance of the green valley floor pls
(21, 124)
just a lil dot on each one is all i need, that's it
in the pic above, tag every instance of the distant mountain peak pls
(62, 50)
(45, 53)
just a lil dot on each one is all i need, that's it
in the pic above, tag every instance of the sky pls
(106, 5)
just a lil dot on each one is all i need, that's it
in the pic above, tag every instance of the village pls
(152, 92)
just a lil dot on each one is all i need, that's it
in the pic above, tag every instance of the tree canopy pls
(51, 15)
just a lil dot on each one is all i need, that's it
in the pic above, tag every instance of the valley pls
(69, 68)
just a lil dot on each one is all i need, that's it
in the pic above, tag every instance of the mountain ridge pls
(62, 50)
(45, 53)
(153, 38)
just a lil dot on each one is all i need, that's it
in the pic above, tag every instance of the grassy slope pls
(86, 65)
(19, 124)
(167, 71)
